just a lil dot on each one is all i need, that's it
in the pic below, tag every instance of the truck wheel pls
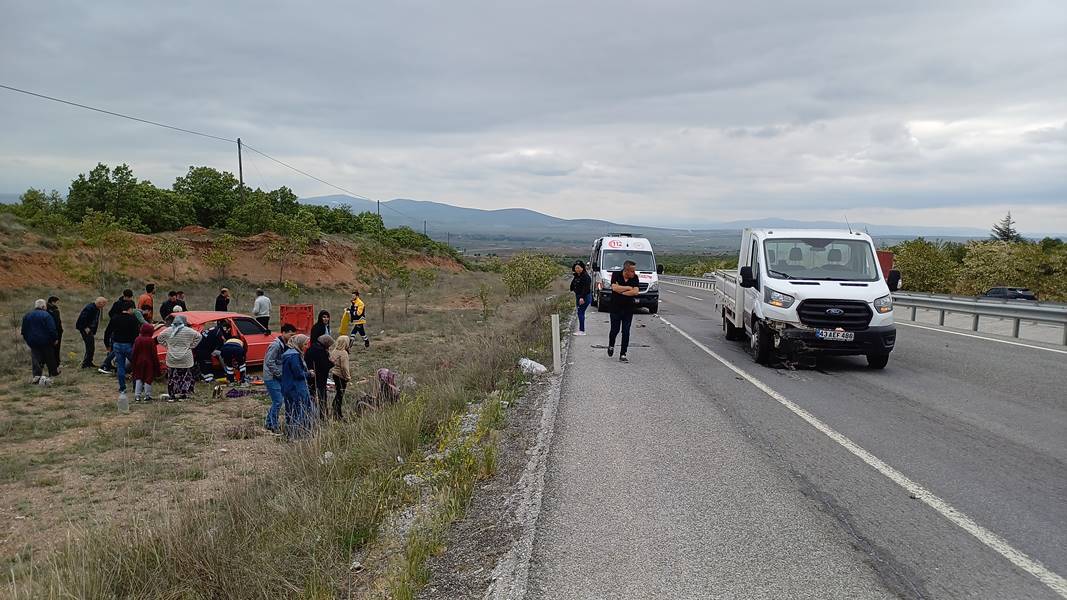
(760, 343)
(653, 308)
(732, 333)
(877, 361)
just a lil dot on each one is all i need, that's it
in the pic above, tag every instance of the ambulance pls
(607, 256)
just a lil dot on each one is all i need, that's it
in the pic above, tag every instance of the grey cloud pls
(694, 105)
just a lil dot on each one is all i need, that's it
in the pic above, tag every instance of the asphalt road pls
(675, 477)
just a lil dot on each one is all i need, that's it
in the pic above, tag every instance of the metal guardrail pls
(703, 283)
(1016, 311)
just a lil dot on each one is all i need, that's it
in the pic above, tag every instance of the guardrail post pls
(913, 310)
(1064, 340)
(555, 344)
(1015, 327)
(941, 317)
(974, 322)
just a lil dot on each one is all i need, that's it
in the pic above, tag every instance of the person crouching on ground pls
(625, 286)
(318, 360)
(180, 340)
(294, 382)
(145, 362)
(341, 372)
(233, 357)
(582, 286)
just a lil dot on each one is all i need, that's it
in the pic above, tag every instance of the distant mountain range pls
(527, 227)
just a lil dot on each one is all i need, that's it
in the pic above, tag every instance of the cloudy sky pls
(917, 112)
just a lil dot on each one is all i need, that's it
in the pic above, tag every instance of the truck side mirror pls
(659, 269)
(595, 267)
(893, 280)
(747, 280)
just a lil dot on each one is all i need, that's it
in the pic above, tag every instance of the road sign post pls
(555, 344)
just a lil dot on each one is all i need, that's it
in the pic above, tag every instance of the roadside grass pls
(292, 528)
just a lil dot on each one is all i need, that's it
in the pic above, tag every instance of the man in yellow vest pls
(355, 315)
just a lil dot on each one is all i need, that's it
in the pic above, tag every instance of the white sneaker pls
(165, 398)
(579, 333)
(44, 381)
(36, 380)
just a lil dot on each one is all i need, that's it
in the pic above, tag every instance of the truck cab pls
(808, 292)
(607, 256)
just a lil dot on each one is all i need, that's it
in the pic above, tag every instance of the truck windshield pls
(829, 259)
(613, 259)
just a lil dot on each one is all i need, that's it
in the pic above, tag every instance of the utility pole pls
(240, 171)
(424, 228)
(449, 238)
(379, 209)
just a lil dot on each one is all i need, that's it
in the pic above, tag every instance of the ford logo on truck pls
(835, 312)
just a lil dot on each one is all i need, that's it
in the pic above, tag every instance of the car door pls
(752, 295)
(256, 336)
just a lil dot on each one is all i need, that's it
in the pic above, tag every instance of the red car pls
(247, 327)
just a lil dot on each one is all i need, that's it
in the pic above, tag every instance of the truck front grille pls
(850, 315)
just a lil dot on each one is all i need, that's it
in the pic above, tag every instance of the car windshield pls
(829, 259)
(613, 260)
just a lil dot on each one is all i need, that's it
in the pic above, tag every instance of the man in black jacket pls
(117, 308)
(222, 301)
(53, 309)
(123, 330)
(87, 325)
(168, 305)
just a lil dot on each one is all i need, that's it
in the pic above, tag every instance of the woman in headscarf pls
(145, 363)
(341, 372)
(299, 416)
(582, 286)
(179, 340)
(318, 360)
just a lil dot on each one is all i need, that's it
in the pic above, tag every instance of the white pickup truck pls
(801, 292)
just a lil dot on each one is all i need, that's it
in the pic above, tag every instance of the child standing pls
(145, 364)
(341, 371)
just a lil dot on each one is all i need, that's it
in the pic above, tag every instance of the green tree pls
(171, 251)
(526, 273)
(411, 280)
(222, 254)
(925, 266)
(1004, 231)
(212, 195)
(46, 212)
(109, 246)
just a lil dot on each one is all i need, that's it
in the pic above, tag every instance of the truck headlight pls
(777, 298)
(653, 287)
(884, 304)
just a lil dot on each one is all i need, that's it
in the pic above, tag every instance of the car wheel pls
(877, 361)
(760, 343)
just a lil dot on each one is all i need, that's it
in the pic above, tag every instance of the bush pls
(996, 263)
(926, 266)
(527, 273)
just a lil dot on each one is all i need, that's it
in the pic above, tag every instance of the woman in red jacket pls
(145, 364)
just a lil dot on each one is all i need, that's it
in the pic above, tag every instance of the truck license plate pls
(832, 335)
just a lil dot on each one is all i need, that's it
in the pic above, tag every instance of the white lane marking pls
(981, 337)
(695, 298)
(1018, 558)
(672, 291)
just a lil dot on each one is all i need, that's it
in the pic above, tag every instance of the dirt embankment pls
(27, 259)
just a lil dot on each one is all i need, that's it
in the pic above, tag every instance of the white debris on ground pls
(531, 367)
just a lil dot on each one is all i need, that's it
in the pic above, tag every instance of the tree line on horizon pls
(204, 197)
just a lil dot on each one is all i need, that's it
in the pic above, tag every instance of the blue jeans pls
(122, 354)
(581, 310)
(274, 388)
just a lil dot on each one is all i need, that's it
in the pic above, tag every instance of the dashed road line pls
(1054, 581)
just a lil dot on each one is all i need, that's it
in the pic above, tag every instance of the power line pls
(116, 114)
(206, 135)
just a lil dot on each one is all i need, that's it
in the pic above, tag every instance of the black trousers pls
(321, 393)
(41, 357)
(264, 321)
(90, 349)
(620, 321)
(339, 397)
